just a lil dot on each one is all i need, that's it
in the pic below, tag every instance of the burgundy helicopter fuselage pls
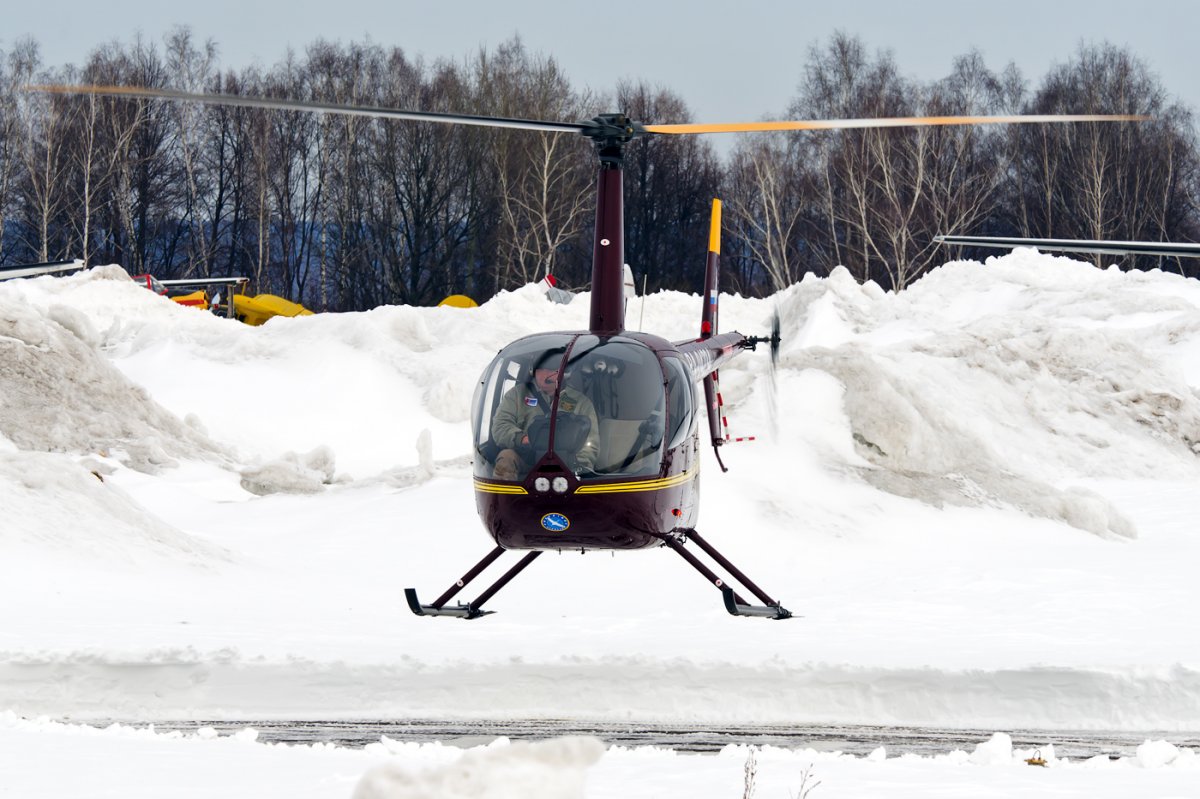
(643, 482)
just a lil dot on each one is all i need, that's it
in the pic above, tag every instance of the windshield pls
(599, 404)
(624, 382)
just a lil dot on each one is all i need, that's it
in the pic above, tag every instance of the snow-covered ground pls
(977, 496)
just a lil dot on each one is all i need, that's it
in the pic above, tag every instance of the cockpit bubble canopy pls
(605, 414)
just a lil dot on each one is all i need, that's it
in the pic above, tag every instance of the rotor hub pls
(611, 132)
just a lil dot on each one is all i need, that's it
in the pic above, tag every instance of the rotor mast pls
(610, 133)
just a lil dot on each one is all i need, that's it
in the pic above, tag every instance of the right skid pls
(733, 601)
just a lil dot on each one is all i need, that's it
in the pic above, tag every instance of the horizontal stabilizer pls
(205, 281)
(1165, 248)
(33, 270)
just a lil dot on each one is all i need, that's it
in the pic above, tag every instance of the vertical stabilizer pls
(708, 324)
(712, 275)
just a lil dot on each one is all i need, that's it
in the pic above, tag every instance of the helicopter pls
(590, 439)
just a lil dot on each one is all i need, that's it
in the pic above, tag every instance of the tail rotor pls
(772, 398)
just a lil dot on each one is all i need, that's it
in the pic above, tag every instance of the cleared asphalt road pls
(856, 740)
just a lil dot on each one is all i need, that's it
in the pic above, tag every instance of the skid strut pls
(733, 601)
(471, 610)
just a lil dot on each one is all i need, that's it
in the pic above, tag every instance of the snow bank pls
(194, 684)
(990, 387)
(59, 393)
(56, 506)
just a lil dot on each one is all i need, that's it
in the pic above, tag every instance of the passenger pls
(526, 407)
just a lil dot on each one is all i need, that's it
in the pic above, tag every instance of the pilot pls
(527, 406)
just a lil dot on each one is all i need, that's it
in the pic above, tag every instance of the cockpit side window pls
(681, 405)
(506, 394)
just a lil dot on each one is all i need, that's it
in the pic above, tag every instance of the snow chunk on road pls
(551, 769)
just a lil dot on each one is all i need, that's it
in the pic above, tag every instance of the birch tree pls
(1124, 181)
(542, 181)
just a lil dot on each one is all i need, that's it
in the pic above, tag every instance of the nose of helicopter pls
(577, 521)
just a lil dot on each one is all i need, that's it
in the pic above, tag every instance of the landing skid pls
(735, 608)
(471, 610)
(733, 601)
(675, 540)
(461, 611)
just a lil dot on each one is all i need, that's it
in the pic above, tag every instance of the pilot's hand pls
(525, 439)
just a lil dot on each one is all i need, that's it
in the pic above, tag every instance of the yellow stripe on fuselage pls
(603, 488)
(639, 485)
(498, 488)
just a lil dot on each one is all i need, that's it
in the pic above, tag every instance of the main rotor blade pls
(303, 105)
(888, 122)
(587, 129)
(1166, 248)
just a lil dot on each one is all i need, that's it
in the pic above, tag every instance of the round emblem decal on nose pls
(555, 522)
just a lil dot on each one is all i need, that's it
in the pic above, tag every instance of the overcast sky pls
(733, 60)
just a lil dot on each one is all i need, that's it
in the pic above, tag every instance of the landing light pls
(560, 485)
(541, 484)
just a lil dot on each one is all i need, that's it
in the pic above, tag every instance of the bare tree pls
(45, 125)
(192, 69)
(423, 220)
(11, 144)
(541, 180)
(767, 190)
(873, 179)
(351, 75)
(145, 176)
(294, 181)
(88, 158)
(886, 193)
(1105, 180)
(227, 153)
(968, 165)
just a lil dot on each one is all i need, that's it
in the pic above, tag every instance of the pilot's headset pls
(547, 360)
